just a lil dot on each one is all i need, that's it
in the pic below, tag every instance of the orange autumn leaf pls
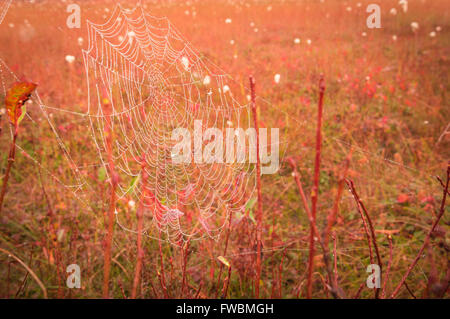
(15, 98)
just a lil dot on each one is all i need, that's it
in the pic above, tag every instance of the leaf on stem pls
(16, 96)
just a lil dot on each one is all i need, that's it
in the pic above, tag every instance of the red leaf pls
(402, 198)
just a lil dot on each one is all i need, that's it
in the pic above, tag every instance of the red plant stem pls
(446, 281)
(427, 238)
(442, 183)
(140, 220)
(22, 285)
(355, 196)
(272, 257)
(315, 188)
(162, 276)
(11, 158)
(54, 237)
(121, 289)
(258, 185)
(335, 289)
(108, 243)
(226, 284)
(112, 207)
(331, 219)
(359, 204)
(386, 278)
(433, 276)
(409, 290)
(198, 291)
(156, 296)
(171, 268)
(359, 290)
(224, 252)
(335, 259)
(185, 256)
(372, 230)
(300, 188)
(281, 273)
(12, 256)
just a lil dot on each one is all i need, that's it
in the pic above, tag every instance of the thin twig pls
(315, 188)
(44, 290)
(185, 258)
(53, 236)
(427, 238)
(140, 220)
(227, 237)
(442, 184)
(359, 204)
(331, 219)
(359, 290)
(281, 273)
(409, 290)
(114, 178)
(259, 219)
(335, 259)
(336, 292)
(386, 278)
(226, 284)
(11, 158)
(198, 291)
(22, 285)
(162, 276)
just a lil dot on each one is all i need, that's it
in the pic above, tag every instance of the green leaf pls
(224, 261)
(249, 208)
(60, 234)
(133, 184)
(250, 203)
(22, 114)
(101, 174)
(252, 218)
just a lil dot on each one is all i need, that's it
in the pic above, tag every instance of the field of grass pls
(386, 113)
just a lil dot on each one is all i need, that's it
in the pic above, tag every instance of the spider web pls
(144, 80)
(4, 5)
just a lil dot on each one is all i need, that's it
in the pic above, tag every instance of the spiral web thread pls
(144, 80)
(4, 5)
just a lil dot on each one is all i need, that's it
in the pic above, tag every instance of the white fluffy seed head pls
(70, 58)
(276, 78)
(185, 63)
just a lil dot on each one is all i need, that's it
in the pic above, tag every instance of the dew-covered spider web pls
(4, 5)
(145, 80)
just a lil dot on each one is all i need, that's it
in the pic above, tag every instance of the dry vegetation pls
(386, 109)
